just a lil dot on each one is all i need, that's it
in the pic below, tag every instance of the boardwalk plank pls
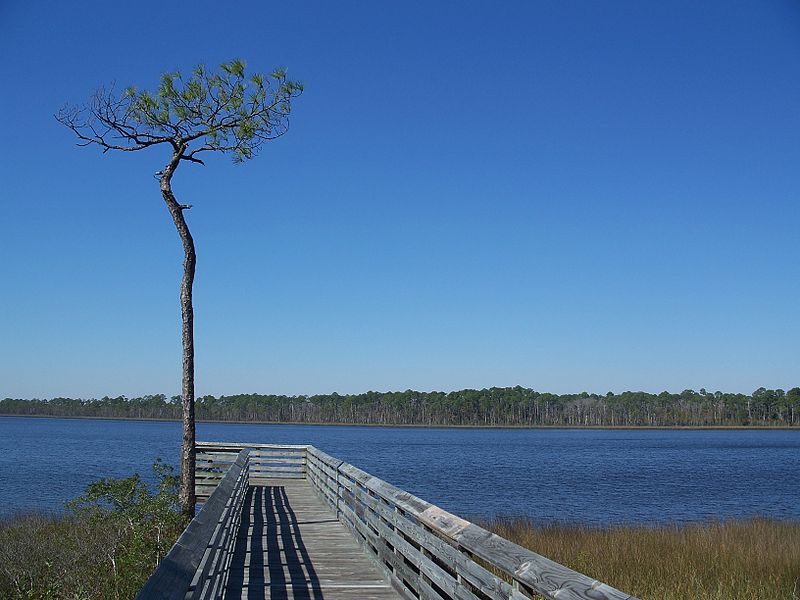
(290, 546)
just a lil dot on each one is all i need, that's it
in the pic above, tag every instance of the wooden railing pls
(430, 554)
(197, 565)
(265, 460)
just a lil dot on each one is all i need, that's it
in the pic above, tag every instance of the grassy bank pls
(756, 559)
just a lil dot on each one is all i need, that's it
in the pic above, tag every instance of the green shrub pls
(105, 546)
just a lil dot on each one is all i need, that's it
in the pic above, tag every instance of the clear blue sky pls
(567, 196)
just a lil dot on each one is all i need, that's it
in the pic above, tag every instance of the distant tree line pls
(488, 407)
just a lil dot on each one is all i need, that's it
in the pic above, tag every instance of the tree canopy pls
(225, 111)
(515, 406)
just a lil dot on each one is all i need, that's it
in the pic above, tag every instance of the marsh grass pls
(58, 556)
(756, 559)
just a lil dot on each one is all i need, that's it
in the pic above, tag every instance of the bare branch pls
(190, 157)
(98, 123)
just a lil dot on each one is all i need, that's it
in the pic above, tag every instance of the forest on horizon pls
(509, 406)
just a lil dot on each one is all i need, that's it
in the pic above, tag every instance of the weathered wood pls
(180, 574)
(240, 446)
(212, 573)
(532, 571)
(291, 546)
(449, 559)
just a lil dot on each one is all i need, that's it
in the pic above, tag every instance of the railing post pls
(338, 494)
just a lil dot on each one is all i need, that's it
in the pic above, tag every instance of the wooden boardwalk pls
(291, 546)
(289, 522)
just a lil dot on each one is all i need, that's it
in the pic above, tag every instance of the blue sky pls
(567, 196)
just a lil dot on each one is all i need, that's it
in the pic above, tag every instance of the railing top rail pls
(173, 577)
(532, 570)
(324, 457)
(246, 445)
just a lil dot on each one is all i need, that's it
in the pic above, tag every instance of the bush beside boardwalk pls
(756, 559)
(104, 547)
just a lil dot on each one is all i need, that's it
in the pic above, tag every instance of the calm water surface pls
(590, 476)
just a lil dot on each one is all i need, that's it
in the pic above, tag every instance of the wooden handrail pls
(432, 553)
(196, 566)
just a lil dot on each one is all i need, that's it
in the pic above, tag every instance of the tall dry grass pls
(757, 559)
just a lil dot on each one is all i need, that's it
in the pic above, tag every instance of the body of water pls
(588, 476)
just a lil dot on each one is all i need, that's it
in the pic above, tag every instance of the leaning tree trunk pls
(187, 466)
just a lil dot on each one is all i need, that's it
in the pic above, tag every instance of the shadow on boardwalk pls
(276, 564)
